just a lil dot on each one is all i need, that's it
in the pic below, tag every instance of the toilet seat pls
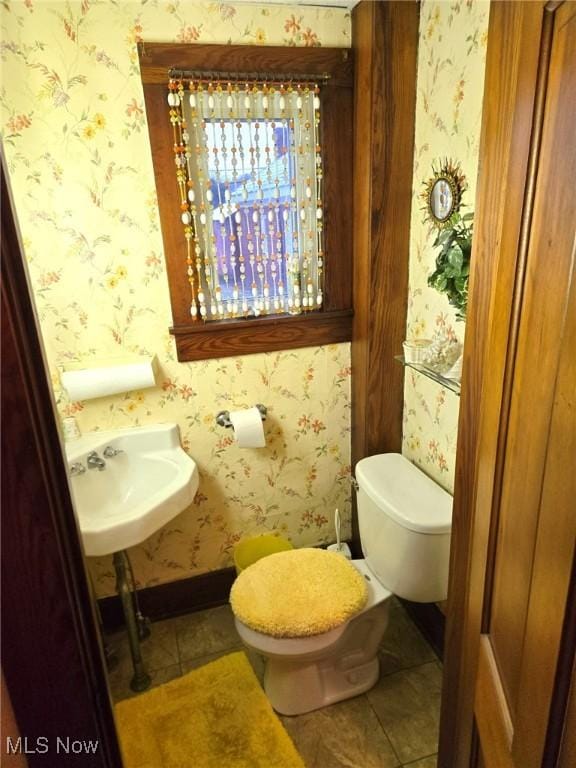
(287, 646)
(313, 644)
(299, 593)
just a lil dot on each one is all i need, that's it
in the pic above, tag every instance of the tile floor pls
(394, 724)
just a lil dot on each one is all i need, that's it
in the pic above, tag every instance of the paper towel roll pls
(248, 428)
(94, 382)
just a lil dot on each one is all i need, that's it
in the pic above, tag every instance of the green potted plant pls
(453, 262)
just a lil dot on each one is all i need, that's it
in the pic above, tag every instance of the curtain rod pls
(236, 77)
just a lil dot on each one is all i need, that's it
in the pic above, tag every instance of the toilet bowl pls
(405, 521)
(307, 673)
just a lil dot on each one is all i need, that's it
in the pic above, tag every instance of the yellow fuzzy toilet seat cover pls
(298, 593)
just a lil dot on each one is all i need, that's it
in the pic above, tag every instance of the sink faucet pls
(93, 461)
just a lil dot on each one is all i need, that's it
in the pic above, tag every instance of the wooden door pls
(511, 607)
(52, 662)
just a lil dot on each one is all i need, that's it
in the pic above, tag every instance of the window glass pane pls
(251, 222)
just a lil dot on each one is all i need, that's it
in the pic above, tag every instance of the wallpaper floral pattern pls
(76, 142)
(451, 61)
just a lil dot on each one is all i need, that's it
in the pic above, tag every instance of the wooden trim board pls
(173, 599)
(385, 45)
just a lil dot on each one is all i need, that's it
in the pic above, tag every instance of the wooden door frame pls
(51, 652)
(514, 91)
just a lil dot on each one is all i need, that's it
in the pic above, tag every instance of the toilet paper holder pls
(223, 417)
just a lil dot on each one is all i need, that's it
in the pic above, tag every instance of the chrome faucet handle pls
(93, 461)
(109, 452)
(77, 468)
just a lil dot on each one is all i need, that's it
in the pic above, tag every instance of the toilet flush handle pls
(354, 483)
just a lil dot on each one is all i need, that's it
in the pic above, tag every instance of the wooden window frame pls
(224, 338)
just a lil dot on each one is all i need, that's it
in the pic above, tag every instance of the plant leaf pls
(456, 258)
(440, 283)
(443, 235)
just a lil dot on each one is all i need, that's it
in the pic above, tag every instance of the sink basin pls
(139, 490)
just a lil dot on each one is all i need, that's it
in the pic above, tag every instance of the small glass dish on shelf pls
(415, 350)
(452, 384)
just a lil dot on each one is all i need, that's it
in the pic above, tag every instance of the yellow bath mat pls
(216, 716)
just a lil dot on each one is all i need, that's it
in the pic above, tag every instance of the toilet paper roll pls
(248, 428)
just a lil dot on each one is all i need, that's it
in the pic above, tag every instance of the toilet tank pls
(405, 520)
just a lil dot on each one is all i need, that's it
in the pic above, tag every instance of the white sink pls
(139, 490)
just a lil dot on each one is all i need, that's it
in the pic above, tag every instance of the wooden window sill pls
(230, 338)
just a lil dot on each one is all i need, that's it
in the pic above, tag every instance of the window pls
(249, 173)
(257, 213)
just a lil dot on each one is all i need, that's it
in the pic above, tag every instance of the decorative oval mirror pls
(443, 193)
(441, 200)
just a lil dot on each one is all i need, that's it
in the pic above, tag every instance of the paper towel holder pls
(223, 417)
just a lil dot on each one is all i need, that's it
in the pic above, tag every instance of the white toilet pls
(405, 522)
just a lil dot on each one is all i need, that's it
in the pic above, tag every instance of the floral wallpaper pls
(76, 143)
(451, 61)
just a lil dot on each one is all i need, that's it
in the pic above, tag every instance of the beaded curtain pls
(249, 173)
